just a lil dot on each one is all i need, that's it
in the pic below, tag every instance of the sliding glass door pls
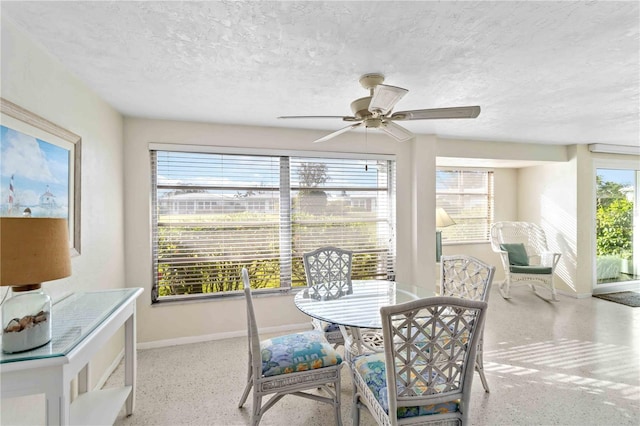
(617, 225)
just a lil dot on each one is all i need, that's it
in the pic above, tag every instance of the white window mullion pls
(285, 224)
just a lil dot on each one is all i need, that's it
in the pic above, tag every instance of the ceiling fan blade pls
(317, 116)
(337, 132)
(436, 113)
(385, 98)
(396, 131)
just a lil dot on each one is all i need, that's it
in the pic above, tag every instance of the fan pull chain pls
(366, 141)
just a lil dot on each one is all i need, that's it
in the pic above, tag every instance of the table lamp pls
(32, 250)
(442, 220)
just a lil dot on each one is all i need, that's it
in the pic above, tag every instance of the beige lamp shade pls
(443, 219)
(33, 250)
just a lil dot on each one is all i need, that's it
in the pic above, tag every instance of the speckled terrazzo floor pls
(574, 362)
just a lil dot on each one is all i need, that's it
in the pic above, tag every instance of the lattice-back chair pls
(468, 278)
(289, 364)
(525, 257)
(429, 351)
(328, 273)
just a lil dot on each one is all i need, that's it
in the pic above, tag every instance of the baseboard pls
(220, 336)
(573, 295)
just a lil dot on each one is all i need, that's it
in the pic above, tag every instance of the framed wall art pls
(39, 169)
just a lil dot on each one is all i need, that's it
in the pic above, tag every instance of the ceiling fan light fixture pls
(373, 123)
(385, 98)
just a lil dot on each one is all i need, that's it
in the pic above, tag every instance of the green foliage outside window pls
(188, 264)
(614, 220)
(614, 228)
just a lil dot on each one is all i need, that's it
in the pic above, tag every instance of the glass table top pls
(74, 318)
(362, 307)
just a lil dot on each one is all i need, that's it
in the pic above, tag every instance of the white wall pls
(35, 81)
(555, 208)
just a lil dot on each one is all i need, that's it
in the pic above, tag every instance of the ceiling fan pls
(374, 111)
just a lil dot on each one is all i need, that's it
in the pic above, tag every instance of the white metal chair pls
(525, 257)
(328, 273)
(468, 278)
(429, 350)
(289, 364)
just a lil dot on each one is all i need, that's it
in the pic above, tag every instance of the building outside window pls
(215, 213)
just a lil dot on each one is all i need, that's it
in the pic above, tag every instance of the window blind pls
(213, 214)
(467, 196)
(348, 204)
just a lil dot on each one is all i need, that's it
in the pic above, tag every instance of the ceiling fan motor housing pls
(373, 122)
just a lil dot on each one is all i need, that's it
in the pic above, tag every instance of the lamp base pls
(438, 245)
(26, 319)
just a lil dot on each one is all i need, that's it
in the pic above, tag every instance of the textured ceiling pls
(549, 72)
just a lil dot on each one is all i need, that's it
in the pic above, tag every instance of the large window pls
(617, 195)
(467, 196)
(215, 213)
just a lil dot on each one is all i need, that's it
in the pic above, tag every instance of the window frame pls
(286, 286)
(490, 200)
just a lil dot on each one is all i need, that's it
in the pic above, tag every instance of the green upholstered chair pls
(525, 257)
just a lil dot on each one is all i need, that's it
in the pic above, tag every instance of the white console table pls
(82, 323)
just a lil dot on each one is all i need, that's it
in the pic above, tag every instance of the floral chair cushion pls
(372, 370)
(297, 352)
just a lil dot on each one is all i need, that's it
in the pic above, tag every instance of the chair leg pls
(247, 388)
(552, 290)
(245, 394)
(554, 295)
(336, 401)
(503, 288)
(256, 412)
(480, 370)
(355, 409)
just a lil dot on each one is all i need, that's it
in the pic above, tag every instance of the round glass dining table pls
(359, 310)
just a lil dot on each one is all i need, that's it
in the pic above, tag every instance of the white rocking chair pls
(525, 257)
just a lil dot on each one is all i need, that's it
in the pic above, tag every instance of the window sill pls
(464, 243)
(183, 300)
